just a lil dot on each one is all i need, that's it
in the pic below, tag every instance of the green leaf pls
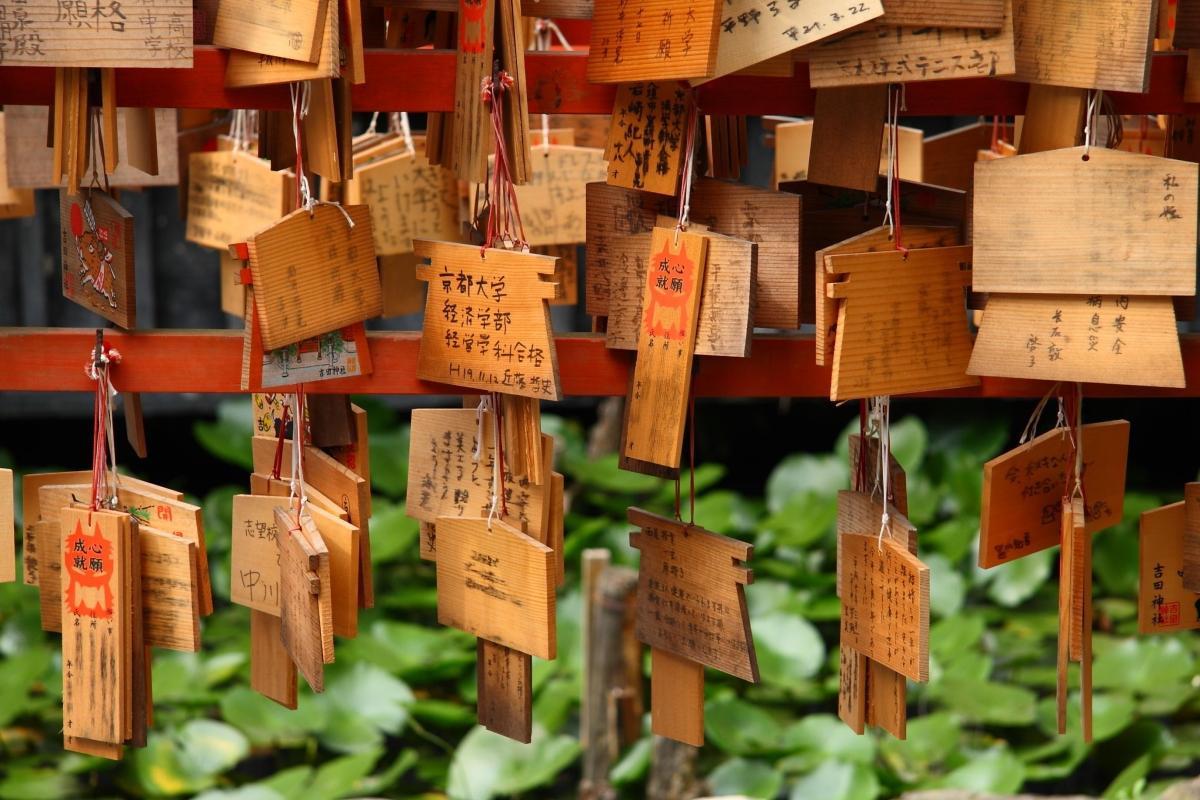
(739, 776)
(1015, 582)
(158, 772)
(909, 441)
(442, 713)
(803, 473)
(634, 765)
(996, 770)
(947, 589)
(1111, 714)
(228, 437)
(486, 764)
(24, 783)
(605, 474)
(1151, 665)
(726, 513)
(393, 534)
(741, 728)
(373, 695)
(18, 674)
(826, 736)
(804, 519)
(985, 702)
(931, 740)
(956, 634)
(837, 780)
(208, 747)
(265, 722)
(389, 461)
(341, 776)
(790, 649)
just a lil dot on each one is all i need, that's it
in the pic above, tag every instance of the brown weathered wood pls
(1053, 118)
(301, 625)
(504, 686)
(847, 128)
(1191, 537)
(96, 235)
(272, 671)
(170, 596)
(680, 42)
(292, 31)
(676, 697)
(158, 34)
(1022, 489)
(984, 14)
(472, 124)
(231, 195)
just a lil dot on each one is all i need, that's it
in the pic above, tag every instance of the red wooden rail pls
(423, 80)
(52, 359)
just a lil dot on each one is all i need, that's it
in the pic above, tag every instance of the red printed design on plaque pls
(669, 286)
(88, 561)
(96, 269)
(471, 31)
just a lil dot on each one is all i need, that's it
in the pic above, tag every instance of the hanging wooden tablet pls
(1022, 489)
(888, 53)
(330, 423)
(472, 126)
(343, 541)
(445, 479)
(1122, 339)
(356, 456)
(1164, 603)
(272, 671)
(244, 68)
(679, 41)
(8, 556)
(14, 201)
(1191, 537)
(691, 610)
(97, 584)
(1053, 118)
(1130, 214)
(487, 321)
(303, 565)
(264, 485)
(320, 132)
(403, 293)
(847, 128)
(314, 272)
(660, 383)
(254, 553)
(135, 423)
(751, 33)
(1074, 613)
(170, 591)
(496, 583)
(885, 603)
(408, 198)
(875, 240)
(292, 31)
(97, 255)
(510, 41)
(232, 194)
(1091, 45)
(47, 33)
(726, 313)
(552, 203)
(647, 136)
(949, 158)
(925, 351)
(986, 15)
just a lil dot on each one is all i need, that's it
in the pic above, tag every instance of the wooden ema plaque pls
(885, 603)
(487, 320)
(254, 553)
(314, 272)
(1165, 605)
(1080, 338)
(97, 255)
(496, 583)
(553, 201)
(409, 199)
(257, 69)
(1131, 215)
(1191, 537)
(49, 33)
(1074, 613)
(472, 124)
(752, 31)
(445, 480)
(232, 194)
(726, 311)
(660, 383)
(848, 126)
(1022, 489)
(691, 611)
(8, 556)
(902, 324)
(1089, 44)
(653, 39)
(647, 136)
(291, 30)
(986, 15)
(793, 145)
(907, 54)
(305, 607)
(874, 240)
(771, 220)
(99, 578)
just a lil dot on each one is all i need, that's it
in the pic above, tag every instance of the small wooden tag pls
(887, 53)
(97, 255)
(272, 671)
(885, 603)
(846, 131)
(553, 201)
(8, 554)
(256, 69)
(314, 272)
(1164, 603)
(1080, 338)
(232, 194)
(916, 352)
(676, 697)
(680, 43)
(254, 554)
(304, 606)
(487, 320)
(660, 384)
(409, 199)
(1022, 488)
(1089, 44)
(170, 594)
(504, 689)
(1053, 118)
(292, 31)
(497, 584)
(1191, 537)
(472, 127)
(647, 136)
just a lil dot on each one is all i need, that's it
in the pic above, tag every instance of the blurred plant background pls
(397, 718)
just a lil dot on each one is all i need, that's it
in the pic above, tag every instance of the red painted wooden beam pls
(52, 359)
(423, 80)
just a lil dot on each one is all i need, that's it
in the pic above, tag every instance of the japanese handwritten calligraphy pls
(1098, 338)
(409, 198)
(553, 202)
(646, 138)
(637, 40)
(894, 53)
(487, 321)
(96, 33)
(231, 195)
(1164, 604)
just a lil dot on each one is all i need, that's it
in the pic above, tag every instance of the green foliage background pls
(397, 718)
